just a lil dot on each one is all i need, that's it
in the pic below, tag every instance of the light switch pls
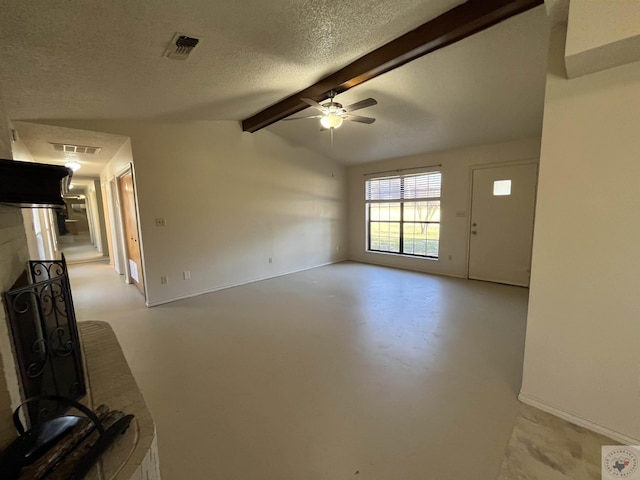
(161, 222)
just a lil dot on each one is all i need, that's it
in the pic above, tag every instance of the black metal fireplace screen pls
(45, 337)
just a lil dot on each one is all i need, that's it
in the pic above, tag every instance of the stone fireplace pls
(107, 375)
(14, 256)
(22, 184)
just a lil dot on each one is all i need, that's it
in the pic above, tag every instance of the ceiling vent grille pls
(67, 148)
(181, 46)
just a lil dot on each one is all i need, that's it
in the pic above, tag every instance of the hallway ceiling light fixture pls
(73, 165)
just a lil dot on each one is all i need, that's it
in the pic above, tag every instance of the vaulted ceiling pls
(104, 60)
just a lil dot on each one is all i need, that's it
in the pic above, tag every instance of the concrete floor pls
(78, 248)
(345, 371)
(545, 447)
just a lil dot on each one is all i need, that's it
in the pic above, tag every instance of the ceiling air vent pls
(64, 147)
(181, 46)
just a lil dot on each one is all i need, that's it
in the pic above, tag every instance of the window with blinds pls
(403, 214)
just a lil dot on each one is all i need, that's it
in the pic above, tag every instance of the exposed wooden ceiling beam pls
(453, 26)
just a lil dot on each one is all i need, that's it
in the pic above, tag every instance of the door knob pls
(474, 224)
(474, 232)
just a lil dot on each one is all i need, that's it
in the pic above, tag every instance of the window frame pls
(401, 202)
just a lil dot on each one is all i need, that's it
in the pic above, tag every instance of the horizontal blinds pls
(404, 187)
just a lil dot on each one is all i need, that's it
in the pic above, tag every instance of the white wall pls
(456, 190)
(231, 201)
(601, 35)
(583, 334)
(100, 216)
(94, 204)
(119, 162)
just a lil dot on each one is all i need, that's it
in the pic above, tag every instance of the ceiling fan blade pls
(358, 118)
(367, 102)
(302, 118)
(313, 103)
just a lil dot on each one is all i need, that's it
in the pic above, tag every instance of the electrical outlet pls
(186, 275)
(161, 222)
(164, 280)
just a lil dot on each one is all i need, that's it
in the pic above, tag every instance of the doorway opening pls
(90, 227)
(129, 222)
(76, 232)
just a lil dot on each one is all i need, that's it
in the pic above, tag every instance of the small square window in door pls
(502, 187)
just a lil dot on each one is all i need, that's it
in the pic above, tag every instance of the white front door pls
(502, 213)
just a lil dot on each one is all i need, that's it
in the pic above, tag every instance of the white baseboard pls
(577, 420)
(367, 261)
(224, 287)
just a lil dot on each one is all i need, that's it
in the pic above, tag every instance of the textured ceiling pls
(77, 59)
(484, 89)
(98, 60)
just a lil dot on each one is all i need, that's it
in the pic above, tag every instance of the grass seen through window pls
(403, 214)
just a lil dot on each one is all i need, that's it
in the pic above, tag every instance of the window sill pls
(413, 257)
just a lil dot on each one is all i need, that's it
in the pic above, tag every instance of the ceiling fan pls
(333, 114)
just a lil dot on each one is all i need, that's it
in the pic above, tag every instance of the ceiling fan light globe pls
(331, 120)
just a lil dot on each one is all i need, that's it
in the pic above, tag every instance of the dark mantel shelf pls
(32, 185)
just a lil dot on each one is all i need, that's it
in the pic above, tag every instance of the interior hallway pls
(343, 370)
(78, 248)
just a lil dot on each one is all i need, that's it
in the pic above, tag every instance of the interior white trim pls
(224, 287)
(577, 419)
(122, 245)
(143, 266)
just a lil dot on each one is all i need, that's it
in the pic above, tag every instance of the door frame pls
(114, 220)
(90, 221)
(106, 208)
(120, 224)
(91, 201)
(509, 163)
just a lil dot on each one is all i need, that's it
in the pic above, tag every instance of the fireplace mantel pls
(32, 185)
